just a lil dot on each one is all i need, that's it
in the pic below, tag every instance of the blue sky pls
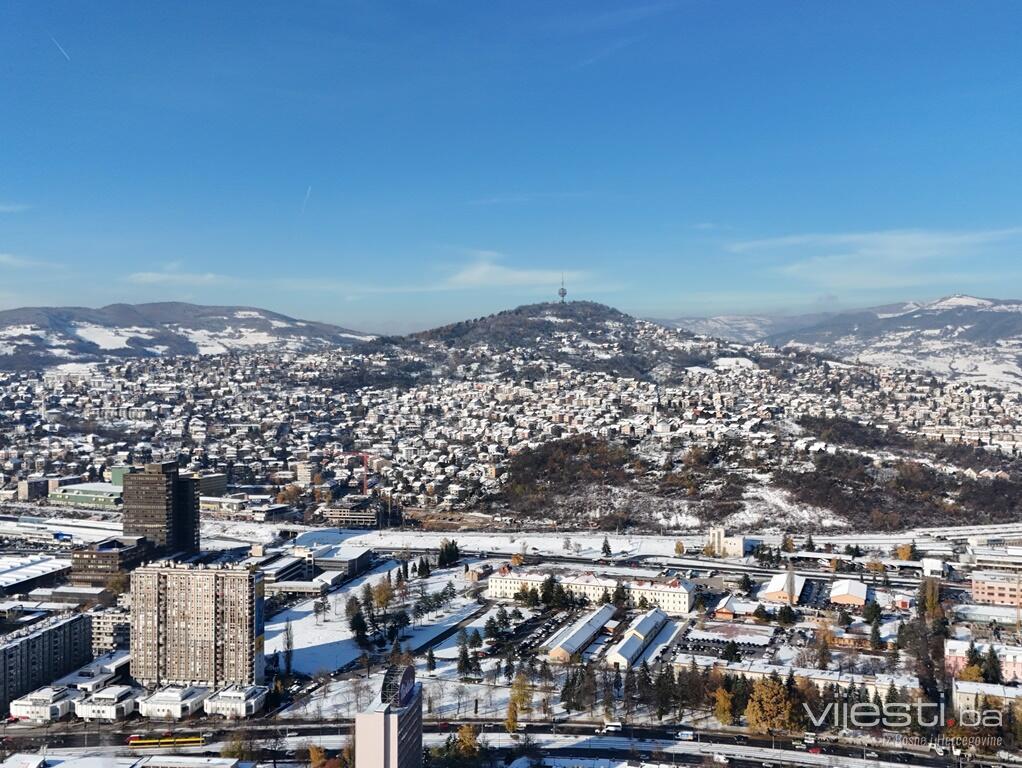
(394, 165)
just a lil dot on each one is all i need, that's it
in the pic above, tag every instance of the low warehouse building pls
(636, 638)
(574, 640)
(848, 592)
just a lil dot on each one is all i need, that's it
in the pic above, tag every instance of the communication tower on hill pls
(563, 291)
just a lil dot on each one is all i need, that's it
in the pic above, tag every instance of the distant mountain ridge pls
(958, 336)
(35, 337)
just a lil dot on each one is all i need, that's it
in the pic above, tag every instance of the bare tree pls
(359, 691)
(460, 692)
(440, 688)
(289, 648)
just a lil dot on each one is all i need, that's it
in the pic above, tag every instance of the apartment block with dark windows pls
(162, 505)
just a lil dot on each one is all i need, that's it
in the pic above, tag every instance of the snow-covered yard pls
(326, 643)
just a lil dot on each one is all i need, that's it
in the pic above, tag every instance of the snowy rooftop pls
(848, 588)
(582, 631)
(16, 569)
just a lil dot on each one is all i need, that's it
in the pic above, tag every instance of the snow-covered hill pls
(42, 336)
(961, 337)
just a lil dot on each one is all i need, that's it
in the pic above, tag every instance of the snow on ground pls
(765, 503)
(206, 341)
(13, 331)
(230, 533)
(734, 362)
(448, 649)
(578, 544)
(325, 644)
(110, 338)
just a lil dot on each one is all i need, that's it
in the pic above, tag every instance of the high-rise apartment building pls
(37, 655)
(196, 625)
(390, 736)
(163, 506)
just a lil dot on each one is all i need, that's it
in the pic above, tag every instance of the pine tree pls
(992, 666)
(430, 661)
(606, 547)
(464, 662)
(875, 641)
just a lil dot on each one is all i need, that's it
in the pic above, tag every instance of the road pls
(569, 739)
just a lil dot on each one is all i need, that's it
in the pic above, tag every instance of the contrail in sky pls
(305, 202)
(60, 48)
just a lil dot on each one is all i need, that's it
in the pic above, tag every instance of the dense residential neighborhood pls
(730, 540)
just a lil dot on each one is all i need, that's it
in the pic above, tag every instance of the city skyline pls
(395, 169)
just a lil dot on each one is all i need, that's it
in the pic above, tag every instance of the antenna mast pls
(563, 291)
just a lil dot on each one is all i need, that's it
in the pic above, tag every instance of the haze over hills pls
(962, 337)
(33, 337)
(959, 336)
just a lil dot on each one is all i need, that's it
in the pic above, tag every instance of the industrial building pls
(88, 496)
(23, 573)
(783, 588)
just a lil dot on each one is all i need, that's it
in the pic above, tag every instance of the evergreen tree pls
(992, 666)
(875, 642)
(973, 658)
(606, 547)
(464, 662)
(731, 652)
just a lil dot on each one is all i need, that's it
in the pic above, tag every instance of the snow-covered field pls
(327, 643)
(110, 338)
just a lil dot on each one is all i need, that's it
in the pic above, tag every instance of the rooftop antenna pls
(563, 291)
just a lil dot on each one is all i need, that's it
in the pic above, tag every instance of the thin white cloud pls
(10, 260)
(884, 259)
(482, 270)
(13, 207)
(176, 278)
(485, 272)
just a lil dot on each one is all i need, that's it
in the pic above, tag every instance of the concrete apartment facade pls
(390, 736)
(36, 656)
(163, 506)
(197, 626)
